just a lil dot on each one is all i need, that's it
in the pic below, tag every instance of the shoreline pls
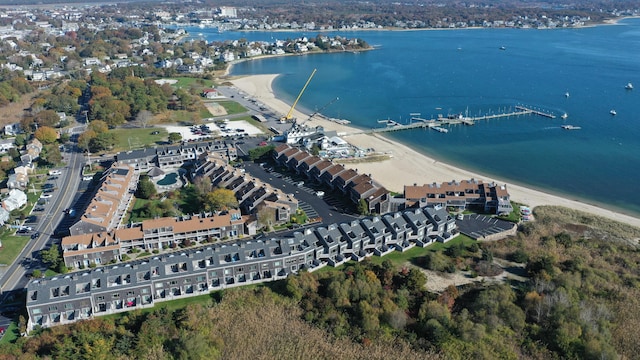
(407, 166)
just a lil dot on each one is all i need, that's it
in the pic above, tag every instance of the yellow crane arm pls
(290, 113)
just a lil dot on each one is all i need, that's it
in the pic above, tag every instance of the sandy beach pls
(408, 167)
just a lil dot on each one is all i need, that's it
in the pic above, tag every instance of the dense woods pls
(578, 300)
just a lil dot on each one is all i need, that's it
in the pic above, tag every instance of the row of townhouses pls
(141, 283)
(98, 248)
(355, 186)
(100, 237)
(488, 197)
(251, 193)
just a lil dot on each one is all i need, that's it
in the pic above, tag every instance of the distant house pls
(12, 129)
(34, 148)
(17, 181)
(6, 144)
(211, 94)
(92, 61)
(15, 200)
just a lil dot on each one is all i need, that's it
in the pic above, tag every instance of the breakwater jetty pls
(417, 122)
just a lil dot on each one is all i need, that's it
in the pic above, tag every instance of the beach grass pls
(129, 139)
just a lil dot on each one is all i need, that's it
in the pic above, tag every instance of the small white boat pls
(613, 112)
(564, 116)
(629, 86)
(571, 127)
(503, 48)
(566, 94)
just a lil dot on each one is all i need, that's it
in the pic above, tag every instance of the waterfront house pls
(459, 195)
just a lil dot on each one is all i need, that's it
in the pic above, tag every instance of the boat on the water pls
(564, 116)
(503, 48)
(571, 127)
(566, 94)
(629, 86)
(613, 112)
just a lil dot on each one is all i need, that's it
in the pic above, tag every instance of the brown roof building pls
(489, 197)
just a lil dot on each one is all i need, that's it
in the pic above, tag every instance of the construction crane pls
(289, 115)
(320, 110)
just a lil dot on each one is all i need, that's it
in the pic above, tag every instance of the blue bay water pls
(465, 71)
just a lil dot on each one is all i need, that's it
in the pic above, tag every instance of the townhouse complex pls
(356, 187)
(142, 283)
(99, 236)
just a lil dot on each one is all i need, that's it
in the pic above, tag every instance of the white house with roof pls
(6, 144)
(12, 129)
(15, 200)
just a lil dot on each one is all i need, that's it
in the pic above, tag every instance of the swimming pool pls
(168, 179)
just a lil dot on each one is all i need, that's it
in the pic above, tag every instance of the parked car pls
(320, 193)
(45, 196)
(55, 172)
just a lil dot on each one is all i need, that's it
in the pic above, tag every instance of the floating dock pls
(436, 124)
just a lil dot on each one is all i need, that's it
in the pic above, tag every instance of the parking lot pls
(481, 227)
(327, 207)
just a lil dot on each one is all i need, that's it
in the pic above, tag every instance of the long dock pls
(436, 124)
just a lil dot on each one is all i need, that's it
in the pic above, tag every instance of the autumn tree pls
(144, 117)
(85, 138)
(220, 199)
(47, 118)
(51, 154)
(103, 141)
(98, 126)
(46, 135)
(266, 217)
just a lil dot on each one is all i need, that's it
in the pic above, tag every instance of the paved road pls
(273, 119)
(67, 184)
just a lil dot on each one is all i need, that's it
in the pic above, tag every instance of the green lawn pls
(188, 82)
(129, 139)
(11, 247)
(232, 107)
(11, 333)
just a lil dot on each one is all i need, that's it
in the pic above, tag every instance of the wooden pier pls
(420, 123)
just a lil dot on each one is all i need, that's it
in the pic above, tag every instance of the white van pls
(55, 172)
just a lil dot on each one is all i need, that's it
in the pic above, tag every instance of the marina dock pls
(436, 124)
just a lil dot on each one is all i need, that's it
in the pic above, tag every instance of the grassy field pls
(129, 139)
(11, 246)
(188, 82)
(232, 107)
